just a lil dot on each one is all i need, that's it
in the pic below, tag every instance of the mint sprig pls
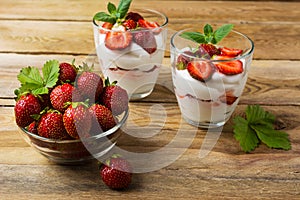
(208, 35)
(32, 81)
(259, 127)
(115, 14)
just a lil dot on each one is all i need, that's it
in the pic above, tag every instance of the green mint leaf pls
(104, 17)
(123, 7)
(111, 8)
(257, 115)
(30, 75)
(222, 32)
(194, 36)
(208, 30)
(272, 138)
(51, 73)
(244, 134)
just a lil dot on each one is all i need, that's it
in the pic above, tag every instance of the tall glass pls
(209, 103)
(135, 68)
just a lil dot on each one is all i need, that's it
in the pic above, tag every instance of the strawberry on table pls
(51, 125)
(114, 97)
(200, 70)
(77, 119)
(116, 173)
(26, 106)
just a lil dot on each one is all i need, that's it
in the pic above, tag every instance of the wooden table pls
(32, 32)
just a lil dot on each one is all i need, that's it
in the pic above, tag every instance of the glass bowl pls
(76, 151)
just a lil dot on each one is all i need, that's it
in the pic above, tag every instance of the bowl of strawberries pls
(69, 114)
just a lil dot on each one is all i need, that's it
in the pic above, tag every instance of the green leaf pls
(244, 134)
(111, 8)
(123, 7)
(272, 138)
(208, 30)
(41, 90)
(51, 73)
(257, 115)
(104, 17)
(194, 36)
(30, 75)
(222, 32)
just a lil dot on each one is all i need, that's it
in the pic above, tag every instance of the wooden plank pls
(75, 38)
(266, 80)
(240, 11)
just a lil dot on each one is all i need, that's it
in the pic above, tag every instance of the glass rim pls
(246, 54)
(166, 20)
(100, 135)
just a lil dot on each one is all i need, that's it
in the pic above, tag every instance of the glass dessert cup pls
(70, 152)
(134, 68)
(209, 103)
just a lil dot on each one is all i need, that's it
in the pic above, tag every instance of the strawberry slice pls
(229, 68)
(209, 48)
(117, 40)
(200, 70)
(149, 25)
(106, 25)
(129, 24)
(228, 98)
(225, 51)
(134, 16)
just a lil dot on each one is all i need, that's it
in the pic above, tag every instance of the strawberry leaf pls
(51, 73)
(30, 75)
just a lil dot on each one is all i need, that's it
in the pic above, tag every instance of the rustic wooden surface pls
(35, 31)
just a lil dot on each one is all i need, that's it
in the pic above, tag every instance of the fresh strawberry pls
(77, 120)
(183, 60)
(209, 48)
(134, 16)
(67, 73)
(146, 40)
(51, 126)
(116, 173)
(60, 95)
(230, 51)
(228, 98)
(114, 97)
(26, 106)
(147, 24)
(102, 119)
(229, 67)
(129, 24)
(32, 128)
(105, 25)
(90, 85)
(200, 70)
(118, 40)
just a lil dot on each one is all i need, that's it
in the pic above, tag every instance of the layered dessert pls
(130, 49)
(208, 81)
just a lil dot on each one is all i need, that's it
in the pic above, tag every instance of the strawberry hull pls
(136, 66)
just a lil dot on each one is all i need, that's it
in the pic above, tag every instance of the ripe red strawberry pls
(32, 128)
(77, 120)
(118, 40)
(210, 49)
(200, 70)
(134, 16)
(114, 97)
(26, 106)
(228, 98)
(51, 126)
(106, 25)
(116, 173)
(229, 68)
(230, 51)
(60, 95)
(67, 73)
(147, 24)
(90, 85)
(129, 24)
(102, 119)
(146, 40)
